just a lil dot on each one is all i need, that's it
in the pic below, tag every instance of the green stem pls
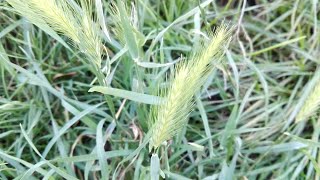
(102, 82)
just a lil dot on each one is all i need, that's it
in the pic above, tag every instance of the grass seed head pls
(311, 105)
(171, 116)
(63, 18)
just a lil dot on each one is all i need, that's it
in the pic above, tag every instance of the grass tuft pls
(230, 117)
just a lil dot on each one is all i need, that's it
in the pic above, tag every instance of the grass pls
(76, 93)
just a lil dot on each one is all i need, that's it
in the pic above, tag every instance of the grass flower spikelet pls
(63, 18)
(170, 117)
(311, 104)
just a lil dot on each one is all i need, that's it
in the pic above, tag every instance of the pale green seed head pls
(171, 116)
(311, 105)
(63, 18)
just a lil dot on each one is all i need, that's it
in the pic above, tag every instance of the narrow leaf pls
(134, 96)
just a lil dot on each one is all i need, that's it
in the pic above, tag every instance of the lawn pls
(169, 89)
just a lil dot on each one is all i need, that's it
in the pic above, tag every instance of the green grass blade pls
(134, 96)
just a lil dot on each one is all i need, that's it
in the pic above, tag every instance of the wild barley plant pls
(171, 116)
(66, 20)
(126, 30)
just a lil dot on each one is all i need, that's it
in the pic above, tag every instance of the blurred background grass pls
(244, 116)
